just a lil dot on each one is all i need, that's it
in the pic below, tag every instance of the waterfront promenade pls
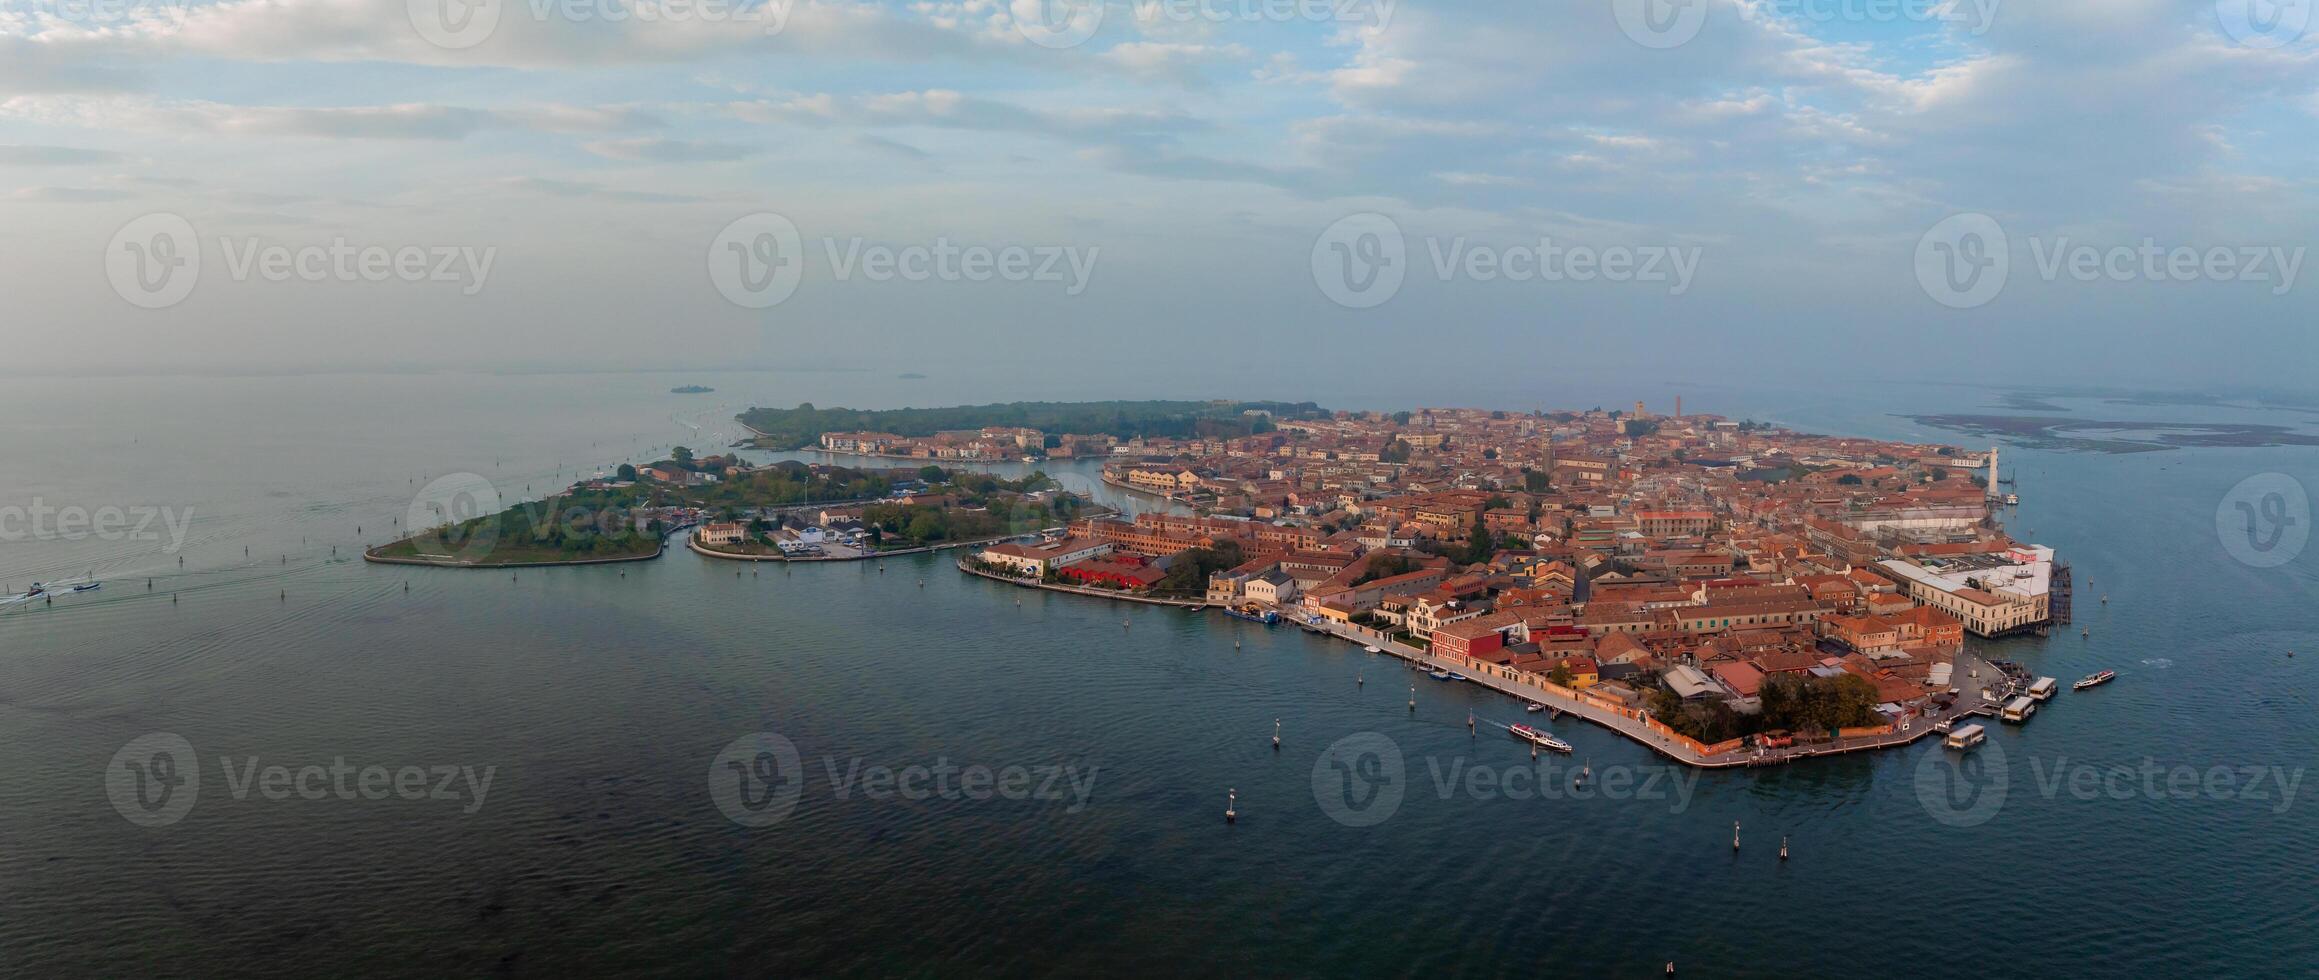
(1078, 590)
(1641, 727)
(1626, 721)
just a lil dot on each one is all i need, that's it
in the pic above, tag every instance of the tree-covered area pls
(1802, 704)
(899, 525)
(796, 428)
(577, 526)
(1189, 575)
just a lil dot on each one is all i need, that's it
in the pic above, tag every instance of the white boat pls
(1455, 676)
(1533, 707)
(2042, 688)
(1966, 737)
(89, 587)
(2018, 710)
(1538, 738)
(1439, 675)
(2095, 679)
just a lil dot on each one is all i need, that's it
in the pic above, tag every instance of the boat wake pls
(2160, 663)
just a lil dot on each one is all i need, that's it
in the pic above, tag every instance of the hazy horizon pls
(1746, 187)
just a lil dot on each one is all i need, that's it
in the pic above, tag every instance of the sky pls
(2015, 191)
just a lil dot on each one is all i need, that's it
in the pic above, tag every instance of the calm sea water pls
(600, 700)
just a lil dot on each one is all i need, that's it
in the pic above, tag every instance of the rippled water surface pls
(600, 699)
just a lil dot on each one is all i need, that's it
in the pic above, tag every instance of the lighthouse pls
(1993, 491)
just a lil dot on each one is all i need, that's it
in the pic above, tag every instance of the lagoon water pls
(600, 699)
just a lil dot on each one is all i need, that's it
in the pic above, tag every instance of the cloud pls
(54, 156)
(670, 151)
(72, 195)
(412, 121)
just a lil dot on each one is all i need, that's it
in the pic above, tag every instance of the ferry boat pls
(2017, 711)
(2095, 679)
(1440, 675)
(1538, 738)
(2042, 688)
(1966, 737)
(1265, 616)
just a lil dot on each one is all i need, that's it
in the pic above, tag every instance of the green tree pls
(626, 472)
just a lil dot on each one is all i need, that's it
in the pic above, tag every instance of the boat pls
(1440, 675)
(1265, 616)
(2042, 688)
(1534, 707)
(1966, 737)
(1455, 676)
(2096, 679)
(1372, 650)
(1538, 738)
(87, 587)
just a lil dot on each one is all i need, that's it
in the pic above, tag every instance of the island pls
(1011, 431)
(1723, 591)
(691, 390)
(782, 510)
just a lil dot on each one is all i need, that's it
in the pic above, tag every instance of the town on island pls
(1725, 592)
